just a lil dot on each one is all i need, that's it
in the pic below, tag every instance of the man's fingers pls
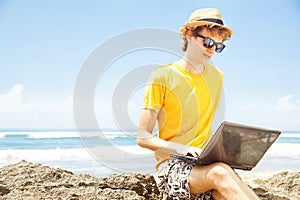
(194, 152)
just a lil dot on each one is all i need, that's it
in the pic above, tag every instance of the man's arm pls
(147, 140)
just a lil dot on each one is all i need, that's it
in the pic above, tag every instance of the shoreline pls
(99, 169)
(27, 180)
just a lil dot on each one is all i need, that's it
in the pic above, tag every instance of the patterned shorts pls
(173, 181)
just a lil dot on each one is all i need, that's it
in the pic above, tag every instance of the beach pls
(25, 180)
(67, 165)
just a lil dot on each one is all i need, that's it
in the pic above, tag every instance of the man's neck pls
(194, 68)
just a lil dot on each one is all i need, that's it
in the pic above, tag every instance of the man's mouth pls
(207, 55)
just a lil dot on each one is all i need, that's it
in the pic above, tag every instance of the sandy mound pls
(268, 186)
(25, 180)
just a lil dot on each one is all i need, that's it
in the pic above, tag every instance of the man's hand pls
(185, 149)
(193, 151)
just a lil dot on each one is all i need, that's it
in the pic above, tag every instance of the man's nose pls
(212, 50)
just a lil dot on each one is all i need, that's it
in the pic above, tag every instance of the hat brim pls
(204, 23)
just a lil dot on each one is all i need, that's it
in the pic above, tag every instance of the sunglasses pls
(209, 43)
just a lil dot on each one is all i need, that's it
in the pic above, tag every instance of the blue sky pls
(43, 45)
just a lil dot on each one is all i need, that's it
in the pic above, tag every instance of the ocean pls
(114, 151)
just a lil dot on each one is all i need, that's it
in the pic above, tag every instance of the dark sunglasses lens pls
(208, 43)
(219, 47)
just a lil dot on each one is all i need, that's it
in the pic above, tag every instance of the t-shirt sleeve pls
(155, 91)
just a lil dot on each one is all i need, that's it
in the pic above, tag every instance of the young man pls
(183, 98)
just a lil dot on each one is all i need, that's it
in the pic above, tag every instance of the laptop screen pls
(238, 145)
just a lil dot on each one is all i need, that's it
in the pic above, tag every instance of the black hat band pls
(218, 21)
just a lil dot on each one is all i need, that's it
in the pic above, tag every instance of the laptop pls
(240, 146)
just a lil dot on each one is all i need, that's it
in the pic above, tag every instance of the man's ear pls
(189, 34)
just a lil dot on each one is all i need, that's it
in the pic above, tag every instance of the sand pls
(25, 180)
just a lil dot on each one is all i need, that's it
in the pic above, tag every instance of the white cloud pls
(12, 101)
(41, 113)
(284, 103)
(35, 112)
(282, 113)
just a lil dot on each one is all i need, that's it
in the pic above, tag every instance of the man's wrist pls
(177, 147)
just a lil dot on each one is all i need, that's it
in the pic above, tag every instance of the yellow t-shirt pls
(185, 103)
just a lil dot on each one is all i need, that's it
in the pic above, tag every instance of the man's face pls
(198, 51)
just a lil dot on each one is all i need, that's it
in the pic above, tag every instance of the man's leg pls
(223, 179)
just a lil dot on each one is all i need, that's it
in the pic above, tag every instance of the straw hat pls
(206, 16)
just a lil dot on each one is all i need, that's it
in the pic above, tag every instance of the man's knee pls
(220, 174)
